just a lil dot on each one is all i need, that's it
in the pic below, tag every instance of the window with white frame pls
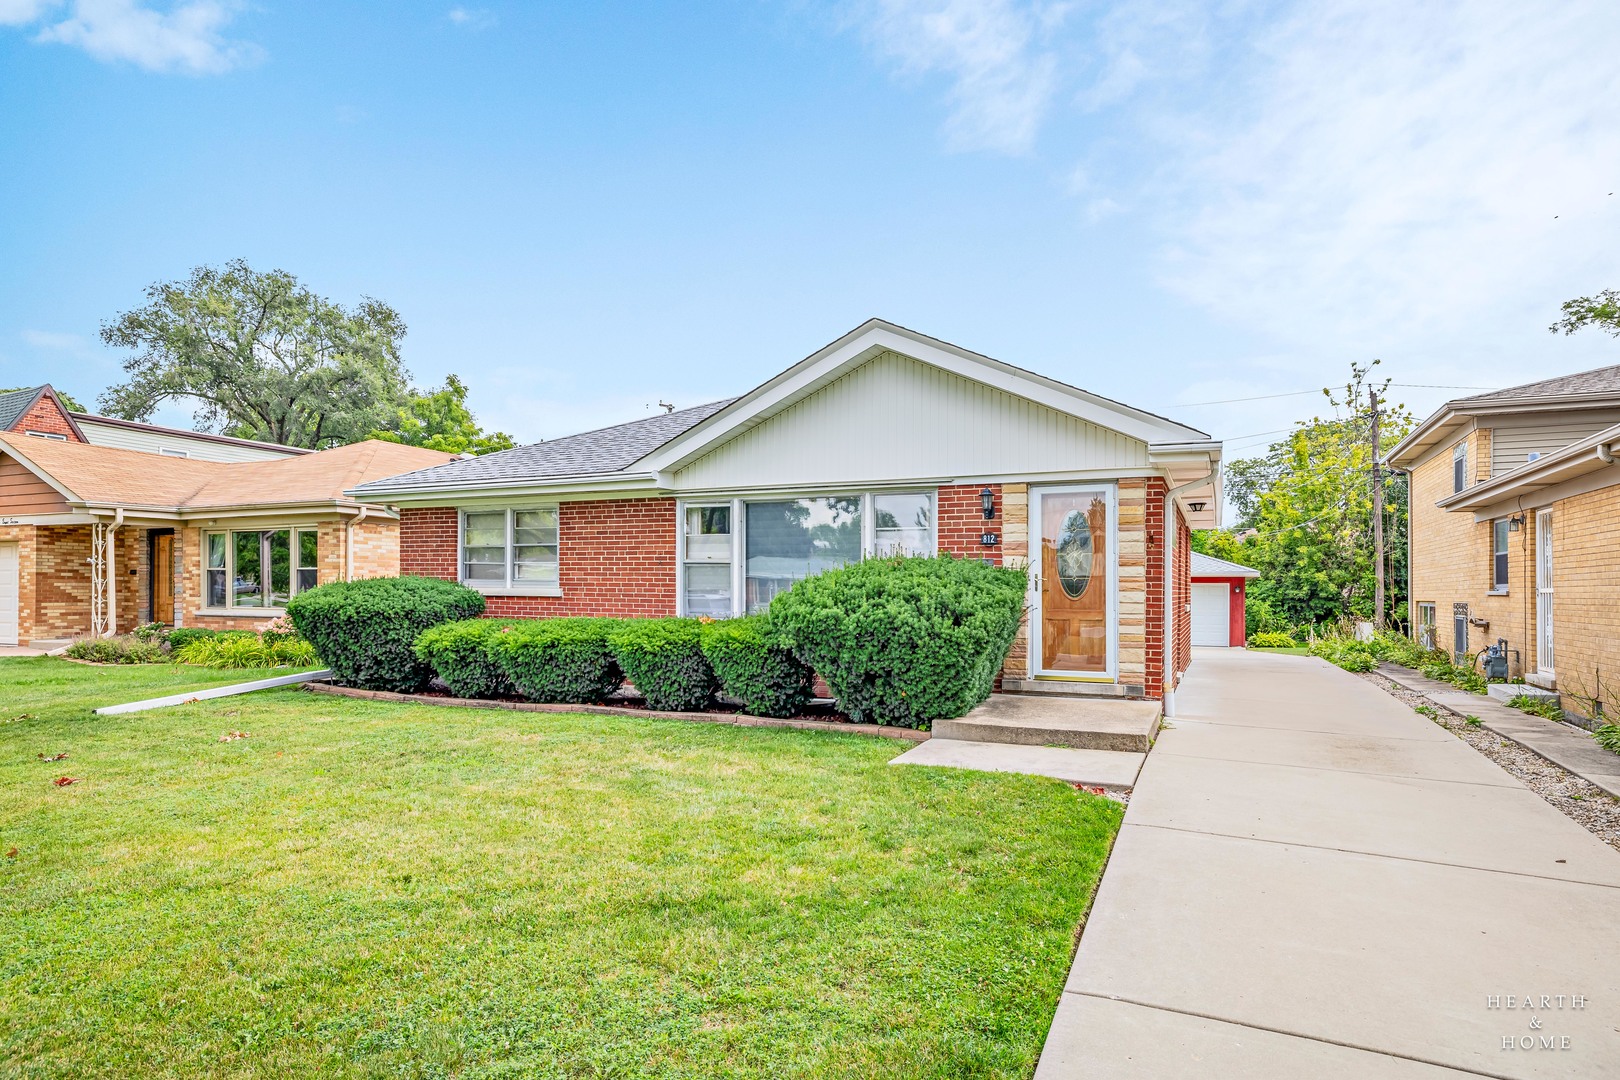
(509, 549)
(737, 556)
(1459, 466)
(260, 568)
(1425, 625)
(1499, 555)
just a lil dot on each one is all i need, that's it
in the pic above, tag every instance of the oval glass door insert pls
(1074, 554)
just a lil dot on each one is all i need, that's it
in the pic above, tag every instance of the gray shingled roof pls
(14, 404)
(1604, 380)
(1209, 566)
(592, 453)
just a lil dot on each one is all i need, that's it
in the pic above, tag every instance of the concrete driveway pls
(1314, 881)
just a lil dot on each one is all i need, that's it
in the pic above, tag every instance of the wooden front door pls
(163, 578)
(1075, 623)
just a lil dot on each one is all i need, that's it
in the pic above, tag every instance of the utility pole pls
(1378, 515)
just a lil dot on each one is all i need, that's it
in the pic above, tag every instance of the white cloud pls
(1003, 75)
(187, 37)
(471, 18)
(1392, 171)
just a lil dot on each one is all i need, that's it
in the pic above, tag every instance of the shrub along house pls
(96, 539)
(884, 441)
(1515, 503)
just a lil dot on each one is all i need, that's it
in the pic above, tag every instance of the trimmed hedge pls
(755, 668)
(462, 656)
(558, 660)
(1271, 639)
(904, 641)
(366, 630)
(664, 658)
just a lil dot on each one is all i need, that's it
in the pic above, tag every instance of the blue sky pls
(584, 209)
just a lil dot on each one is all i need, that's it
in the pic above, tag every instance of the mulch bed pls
(736, 719)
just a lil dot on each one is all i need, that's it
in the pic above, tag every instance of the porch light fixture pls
(1197, 507)
(987, 499)
(1515, 523)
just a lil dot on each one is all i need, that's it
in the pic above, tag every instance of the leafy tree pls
(262, 357)
(1602, 311)
(440, 420)
(1305, 519)
(67, 399)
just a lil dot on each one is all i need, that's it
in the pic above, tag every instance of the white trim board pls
(215, 692)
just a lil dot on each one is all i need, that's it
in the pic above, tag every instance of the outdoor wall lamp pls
(1197, 507)
(987, 499)
(1515, 523)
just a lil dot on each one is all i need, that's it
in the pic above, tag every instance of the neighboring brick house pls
(885, 440)
(96, 539)
(1515, 519)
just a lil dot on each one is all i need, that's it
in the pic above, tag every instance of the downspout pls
(348, 542)
(1605, 455)
(1171, 535)
(111, 573)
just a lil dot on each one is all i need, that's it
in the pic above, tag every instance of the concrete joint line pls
(1182, 719)
(1342, 772)
(1292, 1034)
(1372, 855)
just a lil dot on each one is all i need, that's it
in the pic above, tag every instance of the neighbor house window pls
(738, 556)
(510, 549)
(1459, 466)
(1499, 555)
(706, 560)
(262, 568)
(53, 436)
(165, 451)
(1425, 625)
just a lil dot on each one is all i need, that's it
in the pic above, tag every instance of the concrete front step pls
(1075, 723)
(1070, 688)
(1094, 768)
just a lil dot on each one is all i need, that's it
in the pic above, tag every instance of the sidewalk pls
(1314, 881)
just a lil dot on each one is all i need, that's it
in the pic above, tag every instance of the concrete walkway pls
(1314, 881)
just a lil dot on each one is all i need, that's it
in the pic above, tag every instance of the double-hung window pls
(1425, 625)
(510, 550)
(1499, 555)
(261, 568)
(739, 555)
(1459, 466)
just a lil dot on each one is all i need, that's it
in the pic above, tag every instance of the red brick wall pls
(616, 557)
(962, 522)
(43, 415)
(1155, 676)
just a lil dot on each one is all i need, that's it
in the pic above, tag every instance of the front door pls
(1544, 592)
(163, 578)
(1075, 583)
(10, 594)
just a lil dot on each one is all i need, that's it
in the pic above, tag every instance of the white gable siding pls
(152, 442)
(894, 419)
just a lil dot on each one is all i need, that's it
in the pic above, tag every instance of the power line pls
(1322, 389)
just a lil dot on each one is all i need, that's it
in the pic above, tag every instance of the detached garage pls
(1217, 601)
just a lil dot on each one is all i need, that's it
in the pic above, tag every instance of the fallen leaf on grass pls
(19, 718)
(12, 854)
(52, 757)
(1088, 787)
(64, 781)
(234, 735)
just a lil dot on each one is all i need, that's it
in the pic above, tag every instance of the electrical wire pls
(1320, 389)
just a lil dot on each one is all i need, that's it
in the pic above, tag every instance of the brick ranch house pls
(1515, 530)
(96, 539)
(885, 440)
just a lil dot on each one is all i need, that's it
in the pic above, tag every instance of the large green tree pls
(261, 356)
(1304, 515)
(1601, 311)
(440, 420)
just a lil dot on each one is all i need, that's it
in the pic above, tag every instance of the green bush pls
(227, 651)
(664, 658)
(562, 660)
(755, 668)
(1536, 705)
(366, 630)
(1608, 737)
(1346, 652)
(182, 636)
(460, 654)
(1272, 640)
(124, 649)
(904, 641)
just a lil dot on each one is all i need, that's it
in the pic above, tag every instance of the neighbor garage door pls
(8, 594)
(1211, 613)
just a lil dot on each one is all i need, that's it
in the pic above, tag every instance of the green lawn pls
(365, 889)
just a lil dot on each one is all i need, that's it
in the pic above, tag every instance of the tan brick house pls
(1515, 529)
(885, 440)
(96, 539)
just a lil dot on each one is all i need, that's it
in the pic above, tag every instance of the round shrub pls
(559, 660)
(1272, 640)
(664, 658)
(460, 654)
(366, 630)
(904, 641)
(755, 668)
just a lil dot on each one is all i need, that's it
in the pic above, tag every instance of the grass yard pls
(367, 889)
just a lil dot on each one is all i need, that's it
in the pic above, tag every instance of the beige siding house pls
(1515, 531)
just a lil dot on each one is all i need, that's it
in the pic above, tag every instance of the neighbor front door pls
(1074, 567)
(163, 578)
